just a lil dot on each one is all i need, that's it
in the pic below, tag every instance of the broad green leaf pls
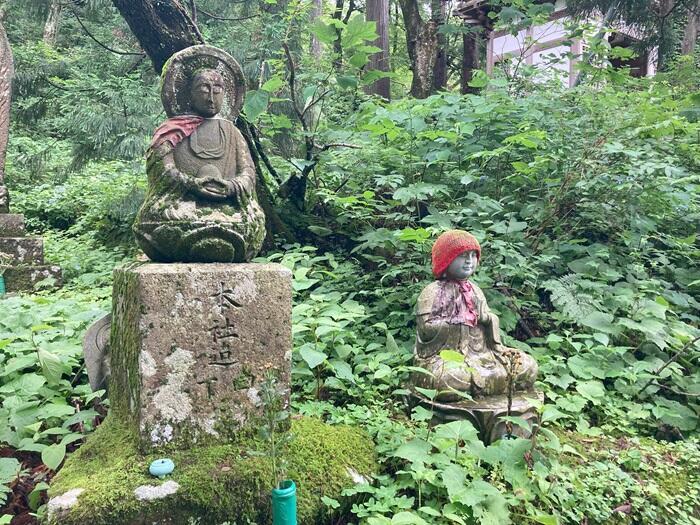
(479, 79)
(407, 518)
(342, 369)
(312, 357)
(594, 391)
(51, 366)
(273, 84)
(330, 502)
(9, 469)
(357, 31)
(320, 230)
(415, 450)
(358, 60)
(53, 455)
(25, 385)
(457, 430)
(451, 356)
(487, 503)
(600, 321)
(256, 102)
(325, 33)
(429, 511)
(454, 479)
(430, 393)
(35, 495)
(545, 519)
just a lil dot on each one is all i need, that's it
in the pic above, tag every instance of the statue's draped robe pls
(483, 372)
(174, 216)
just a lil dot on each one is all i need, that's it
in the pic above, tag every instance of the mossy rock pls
(221, 483)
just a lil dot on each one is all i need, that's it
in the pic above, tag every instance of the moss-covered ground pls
(222, 483)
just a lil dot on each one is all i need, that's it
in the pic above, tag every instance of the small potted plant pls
(274, 431)
(5, 259)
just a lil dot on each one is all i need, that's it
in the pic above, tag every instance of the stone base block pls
(191, 345)
(485, 413)
(11, 225)
(25, 278)
(106, 482)
(23, 250)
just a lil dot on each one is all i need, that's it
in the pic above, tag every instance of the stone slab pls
(191, 344)
(11, 225)
(23, 250)
(25, 278)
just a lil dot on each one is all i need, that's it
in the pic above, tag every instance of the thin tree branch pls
(111, 50)
(292, 84)
(351, 10)
(677, 392)
(193, 11)
(315, 101)
(337, 145)
(263, 154)
(671, 360)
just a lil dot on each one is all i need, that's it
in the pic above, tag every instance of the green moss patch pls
(220, 483)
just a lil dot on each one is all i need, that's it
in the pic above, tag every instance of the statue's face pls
(463, 266)
(207, 93)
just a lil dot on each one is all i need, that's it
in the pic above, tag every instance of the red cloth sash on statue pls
(454, 303)
(175, 130)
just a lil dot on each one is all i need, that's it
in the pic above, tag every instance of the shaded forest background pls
(585, 202)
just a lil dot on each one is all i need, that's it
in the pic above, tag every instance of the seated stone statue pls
(452, 314)
(201, 204)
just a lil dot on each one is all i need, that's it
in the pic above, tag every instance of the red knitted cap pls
(448, 246)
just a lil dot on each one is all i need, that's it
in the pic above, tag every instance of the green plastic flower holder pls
(2, 285)
(284, 504)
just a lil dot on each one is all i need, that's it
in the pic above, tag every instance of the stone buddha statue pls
(201, 204)
(452, 314)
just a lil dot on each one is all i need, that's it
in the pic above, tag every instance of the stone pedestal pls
(27, 256)
(485, 413)
(191, 345)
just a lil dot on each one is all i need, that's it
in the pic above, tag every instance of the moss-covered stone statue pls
(201, 204)
(452, 314)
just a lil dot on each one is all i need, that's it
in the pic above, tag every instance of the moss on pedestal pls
(218, 483)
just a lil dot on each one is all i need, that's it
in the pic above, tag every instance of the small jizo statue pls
(201, 204)
(452, 314)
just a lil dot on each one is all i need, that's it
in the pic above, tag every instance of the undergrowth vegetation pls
(586, 205)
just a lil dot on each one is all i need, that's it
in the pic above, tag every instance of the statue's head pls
(455, 255)
(207, 92)
(203, 80)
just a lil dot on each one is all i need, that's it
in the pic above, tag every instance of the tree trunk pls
(52, 22)
(378, 11)
(692, 27)
(7, 71)
(316, 13)
(438, 16)
(421, 41)
(470, 59)
(161, 27)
